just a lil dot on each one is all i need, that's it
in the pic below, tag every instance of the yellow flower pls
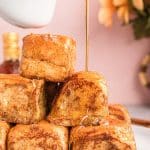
(123, 10)
(123, 13)
(122, 7)
(106, 3)
(118, 3)
(138, 4)
(105, 16)
(106, 12)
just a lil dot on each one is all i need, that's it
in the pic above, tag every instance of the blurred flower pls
(106, 3)
(120, 2)
(138, 4)
(136, 10)
(105, 16)
(123, 13)
(106, 12)
(108, 7)
(123, 9)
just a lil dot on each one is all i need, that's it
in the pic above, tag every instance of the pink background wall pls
(113, 52)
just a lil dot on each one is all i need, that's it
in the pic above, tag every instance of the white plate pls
(142, 137)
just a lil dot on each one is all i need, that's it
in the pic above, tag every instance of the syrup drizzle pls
(86, 34)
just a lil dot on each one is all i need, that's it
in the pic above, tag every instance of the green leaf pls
(140, 28)
(148, 23)
(141, 24)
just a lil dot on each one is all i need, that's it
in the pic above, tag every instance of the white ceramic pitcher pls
(27, 13)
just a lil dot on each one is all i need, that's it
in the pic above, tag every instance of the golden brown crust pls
(4, 128)
(50, 57)
(104, 137)
(21, 100)
(38, 136)
(119, 112)
(81, 101)
(113, 133)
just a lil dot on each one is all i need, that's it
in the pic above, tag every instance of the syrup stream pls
(86, 34)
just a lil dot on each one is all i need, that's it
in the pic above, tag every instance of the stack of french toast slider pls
(76, 117)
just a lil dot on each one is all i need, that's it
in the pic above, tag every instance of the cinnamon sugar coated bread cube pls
(41, 136)
(49, 57)
(113, 133)
(104, 137)
(81, 101)
(21, 100)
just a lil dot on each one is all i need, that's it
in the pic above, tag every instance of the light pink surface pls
(113, 52)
